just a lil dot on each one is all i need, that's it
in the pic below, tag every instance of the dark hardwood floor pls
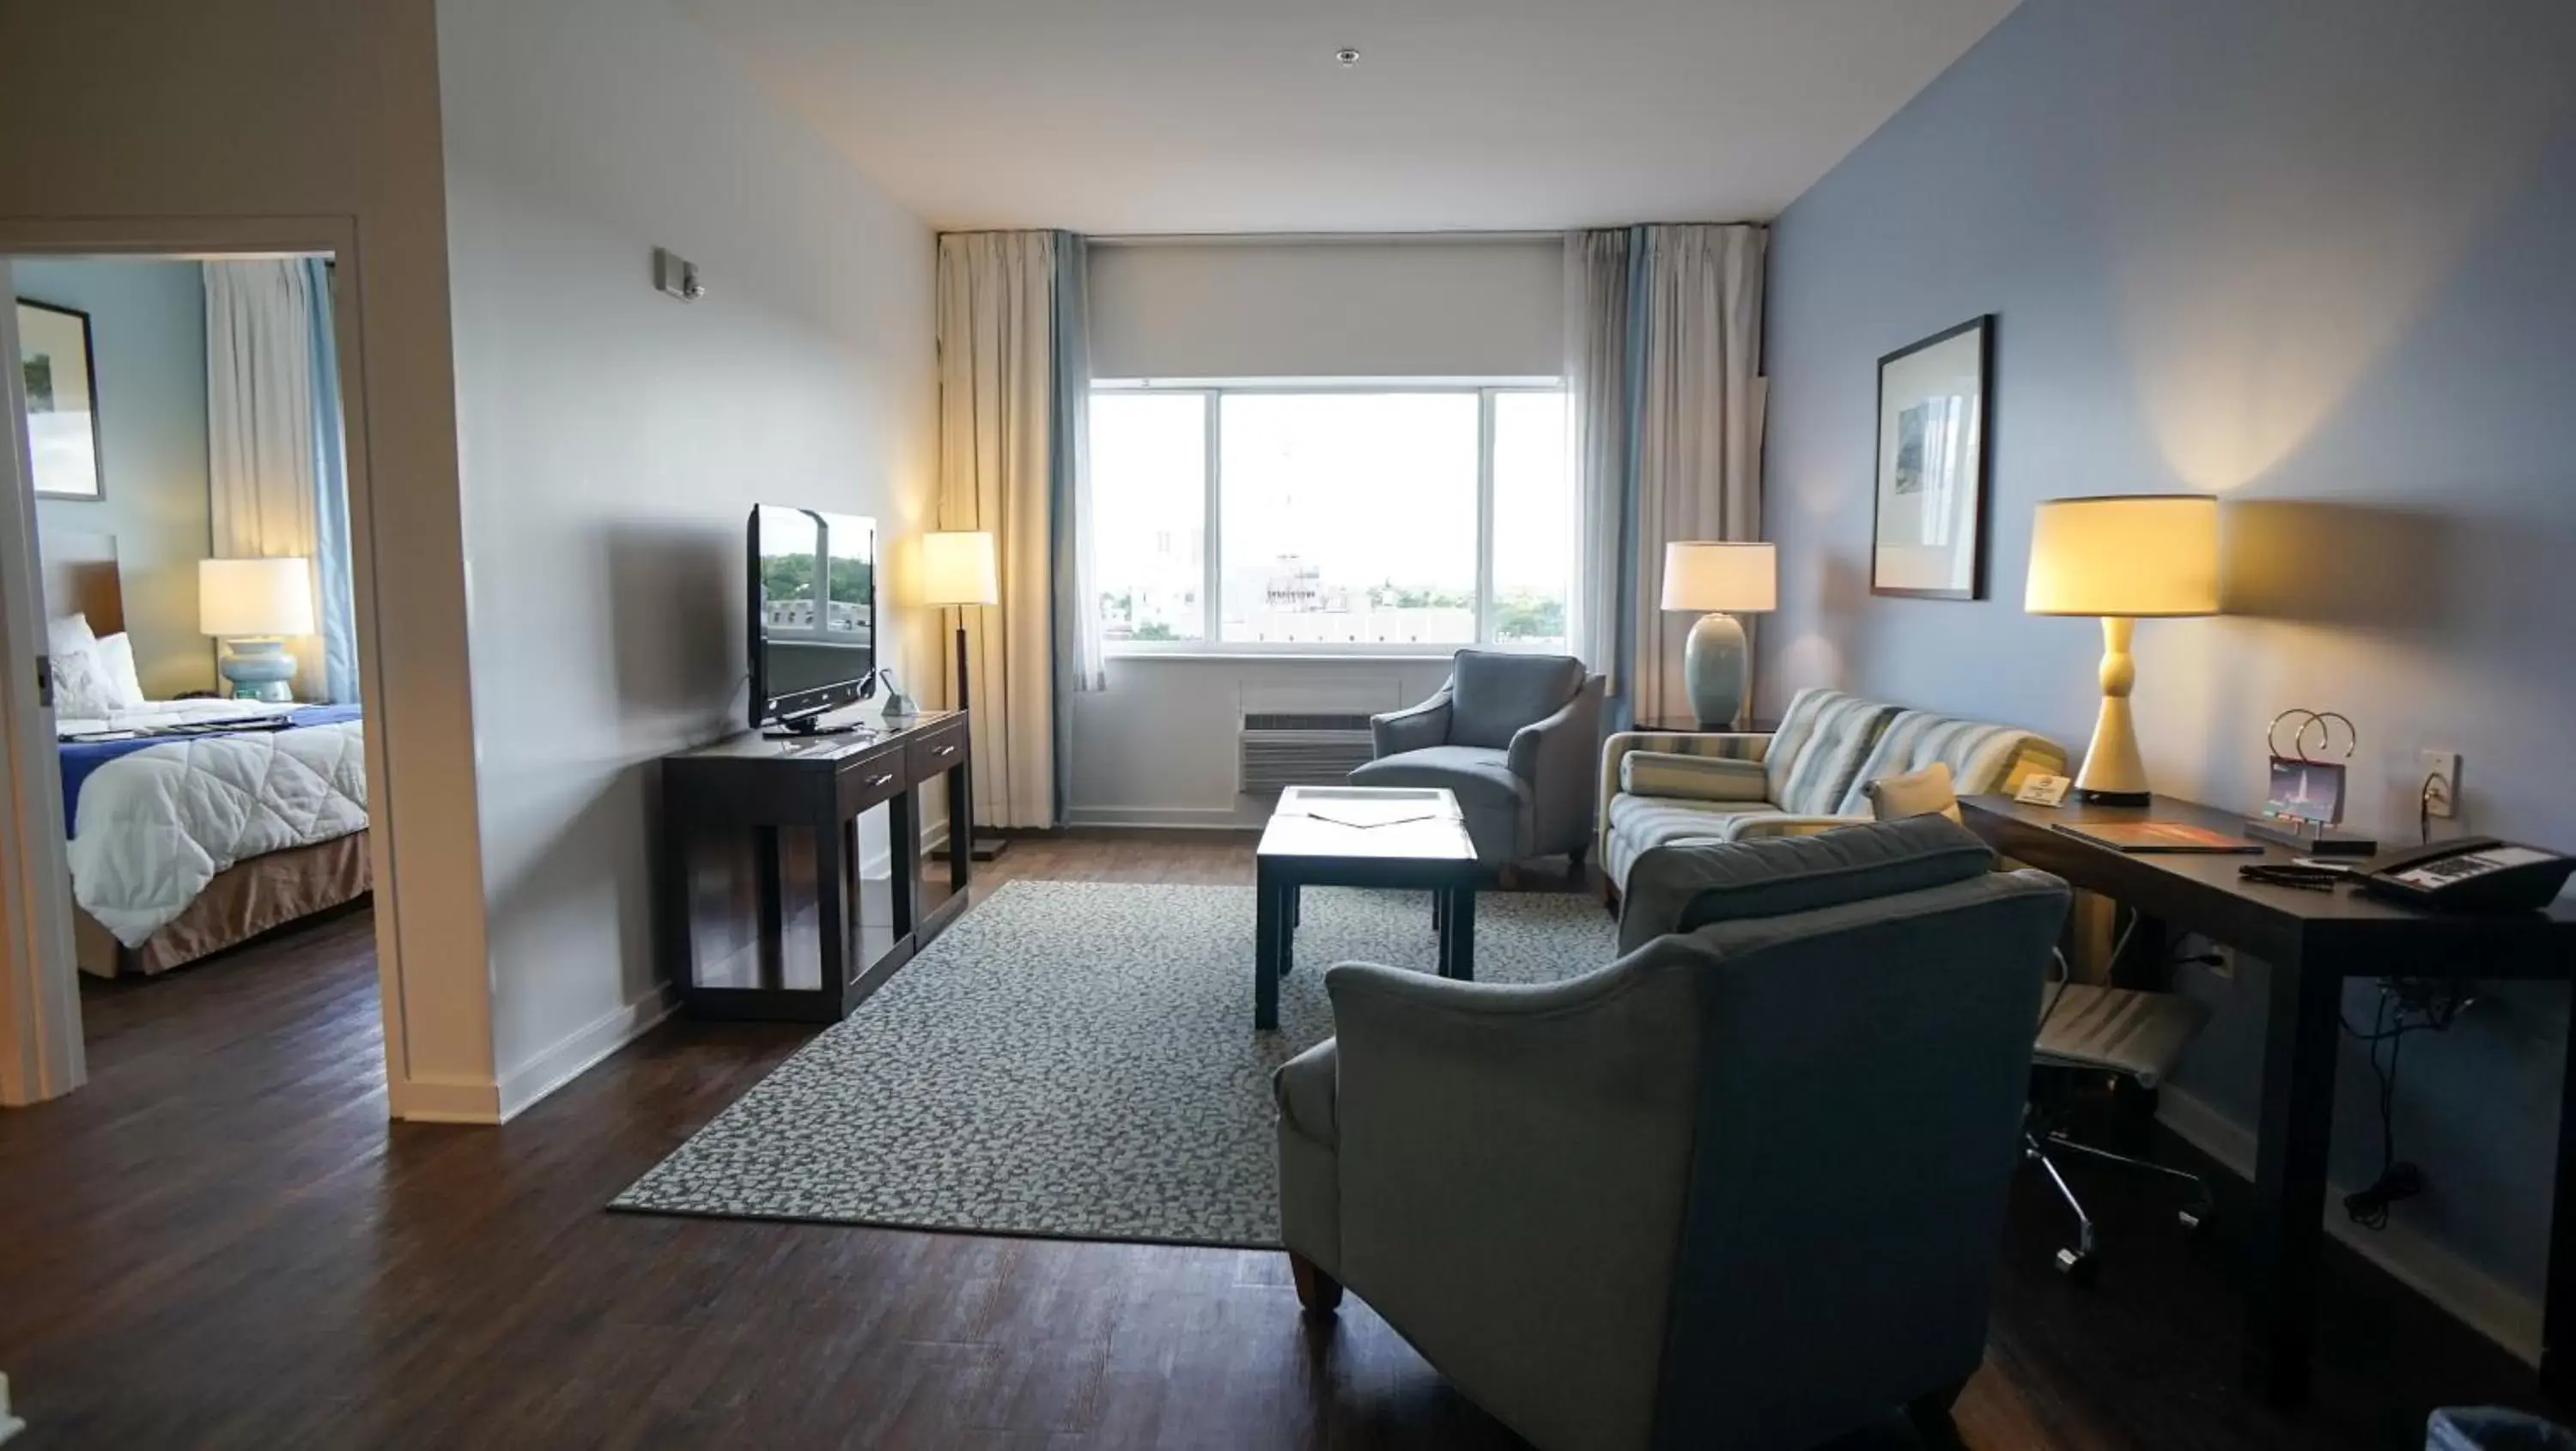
(221, 1243)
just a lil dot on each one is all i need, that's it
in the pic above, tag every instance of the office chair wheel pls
(2076, 1266)
(2194, 1219)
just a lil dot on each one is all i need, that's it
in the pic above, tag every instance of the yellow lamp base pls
(2114, 774)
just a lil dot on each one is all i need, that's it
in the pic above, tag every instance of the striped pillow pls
(1816, 755)
(1982, 757)
(1692, 778)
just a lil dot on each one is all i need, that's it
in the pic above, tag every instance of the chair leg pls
(1509, 877)
(1574, 861)
(2077, 1263)
(1320, 1293)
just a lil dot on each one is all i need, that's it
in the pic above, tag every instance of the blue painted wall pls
(148, 345)
(2318, 257)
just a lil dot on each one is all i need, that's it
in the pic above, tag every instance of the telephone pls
(2472, 873)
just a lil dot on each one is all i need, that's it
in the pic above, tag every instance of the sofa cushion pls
(1916, 793)
(1481, 775)
(1493, 693)
(1723, 881)
(1817, 752)
(1695, 778)
(1982, 757)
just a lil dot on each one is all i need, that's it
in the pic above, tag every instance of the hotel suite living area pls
(1388, 726)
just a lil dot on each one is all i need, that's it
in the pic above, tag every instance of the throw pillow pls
(1927, 792)
(81, 688)
(1693, 778)
(68, 634)
(115, 656)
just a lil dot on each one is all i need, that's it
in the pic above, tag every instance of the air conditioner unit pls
(1280, 749)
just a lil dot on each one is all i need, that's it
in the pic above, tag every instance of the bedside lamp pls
(2122, 558)
(958, 568)
(1726, 580)
(254, 606)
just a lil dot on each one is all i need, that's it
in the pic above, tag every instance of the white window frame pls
(1211, 393)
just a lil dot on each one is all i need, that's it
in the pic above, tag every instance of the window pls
(1344, 518)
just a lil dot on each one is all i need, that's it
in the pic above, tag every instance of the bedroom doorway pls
(185, 799)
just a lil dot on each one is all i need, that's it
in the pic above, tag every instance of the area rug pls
(1077, 1059)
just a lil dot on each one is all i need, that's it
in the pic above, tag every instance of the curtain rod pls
(1277, 239)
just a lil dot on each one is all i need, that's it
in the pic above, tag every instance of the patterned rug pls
(1077, 1059)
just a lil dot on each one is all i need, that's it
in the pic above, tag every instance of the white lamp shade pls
(1740, 579)
(2131, 555)
(255, 598)
(957, 567)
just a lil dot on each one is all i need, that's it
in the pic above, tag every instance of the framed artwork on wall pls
(1928, 521)
(62, 400)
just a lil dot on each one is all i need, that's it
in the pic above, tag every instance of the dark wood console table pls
(768, 907)
(2313, 942)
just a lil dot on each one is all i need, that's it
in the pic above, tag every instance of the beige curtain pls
(264, 472)
(1697, 448)
(996, 402)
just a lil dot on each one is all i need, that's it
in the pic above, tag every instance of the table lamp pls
(2123, 558)
(1726, 580)
(959, 569)
(254, 606)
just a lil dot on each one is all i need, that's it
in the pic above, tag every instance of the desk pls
(767, 910)
(2313, 942)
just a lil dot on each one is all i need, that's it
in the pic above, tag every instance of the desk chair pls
(2084, 1028)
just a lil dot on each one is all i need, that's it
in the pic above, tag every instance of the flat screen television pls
(813, 614)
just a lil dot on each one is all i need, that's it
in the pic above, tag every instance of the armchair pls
(1648, 1207)
(1515, 737)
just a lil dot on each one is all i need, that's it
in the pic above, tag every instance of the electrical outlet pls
(2440, 780)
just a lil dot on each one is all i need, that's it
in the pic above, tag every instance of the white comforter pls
(154, 827)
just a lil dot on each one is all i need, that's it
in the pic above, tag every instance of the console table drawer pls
(871, 783)
(936, 753)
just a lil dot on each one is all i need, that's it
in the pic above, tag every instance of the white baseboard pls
(9, 1425)
(1187, 818)
(444, 1101)
(2477, 1299)
(578, 1051)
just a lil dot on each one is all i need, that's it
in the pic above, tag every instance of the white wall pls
(167, 114)
(148, 345)
(614, 440)
(1157, 748)
(1450, 307)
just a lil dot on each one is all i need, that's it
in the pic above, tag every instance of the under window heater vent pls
(1280, 749)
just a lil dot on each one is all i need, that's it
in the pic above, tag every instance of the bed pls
(196, 824)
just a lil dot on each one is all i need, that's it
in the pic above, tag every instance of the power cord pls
(2406, 1005)
(2434, 790)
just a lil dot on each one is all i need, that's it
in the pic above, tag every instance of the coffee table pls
(1357, 836)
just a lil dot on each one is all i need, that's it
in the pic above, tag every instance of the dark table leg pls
(1266, 936)
(1459, 958)
(2558, 1304)
(2290, 1179)
(1290, 921)
(831, 910)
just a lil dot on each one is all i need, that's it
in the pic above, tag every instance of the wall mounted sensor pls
(677, 275)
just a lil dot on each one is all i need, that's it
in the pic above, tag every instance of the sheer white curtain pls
(997, 452)
(276, 470)
(1666, 397)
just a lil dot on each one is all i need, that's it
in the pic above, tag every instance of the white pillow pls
(68, 634)
(115, 657)
(81, 689)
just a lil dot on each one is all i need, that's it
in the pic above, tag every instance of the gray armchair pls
(1649, 1207)
(1515, 737)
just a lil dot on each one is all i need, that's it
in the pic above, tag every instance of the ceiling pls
(1123, 116)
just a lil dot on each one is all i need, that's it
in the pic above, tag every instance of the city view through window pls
(1343, 517)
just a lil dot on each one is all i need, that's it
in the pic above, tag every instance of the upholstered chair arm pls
(1682, 886)
(1512, 1165)
(1412, 728)
(1729, 745)
(1555, 756)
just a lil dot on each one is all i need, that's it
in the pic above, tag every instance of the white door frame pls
(40, 1029)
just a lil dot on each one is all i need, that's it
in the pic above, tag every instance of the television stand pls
(770, 906)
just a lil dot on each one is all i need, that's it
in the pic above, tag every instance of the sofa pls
(1512, 736)
(1813, 773)
(1742, 1187)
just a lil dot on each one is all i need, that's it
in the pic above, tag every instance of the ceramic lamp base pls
(1713, 669)
(259, 670)
(2114, 774)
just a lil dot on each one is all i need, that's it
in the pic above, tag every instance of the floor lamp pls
(959, 571)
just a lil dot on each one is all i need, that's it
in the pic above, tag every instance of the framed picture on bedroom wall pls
(62, 400)
(1935, 409)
